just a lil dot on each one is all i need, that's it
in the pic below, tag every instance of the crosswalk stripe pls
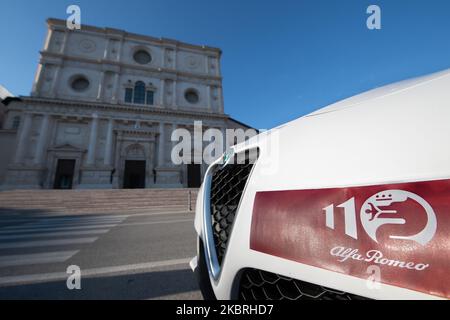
(83, 217)
(73, 218)
(155, 222)
(56, 225)
(36, 258)
(62, 228)
(45, 243)
(53, 234)
(78, 220)
(37, 226)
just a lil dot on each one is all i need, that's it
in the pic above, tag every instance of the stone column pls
(174, 127)
(92, 140)
(65, 40)
(119, 53)
(23, 138)
(101, 86)
(207, 63)
(218, 67)
(43, 133)
(208, 98)
(116, 88)
(151, 163)
(161, 141)
(220, 99)
(117, 158)
(175, 58)
(161, 95)
(106, 51)
(38, 80)
(109, 143)
(48, 39)
(174, 95)
(53, 89)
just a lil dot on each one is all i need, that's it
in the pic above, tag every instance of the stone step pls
(99, 201)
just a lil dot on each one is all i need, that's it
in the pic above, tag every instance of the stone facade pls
(103, 105)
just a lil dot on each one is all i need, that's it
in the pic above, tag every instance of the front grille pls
(261, 285)
(227, 186)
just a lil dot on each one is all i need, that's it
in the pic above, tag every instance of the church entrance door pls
(194, 175)
(64, 174)
(134, 176)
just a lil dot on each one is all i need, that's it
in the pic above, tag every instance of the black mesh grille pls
(262, 285)
(227, 186)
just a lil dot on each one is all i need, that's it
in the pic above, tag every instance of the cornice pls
(159, 70)
(136, 132)
(55, 23)
(124, 108)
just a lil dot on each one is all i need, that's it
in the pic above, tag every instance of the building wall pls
(95, 127)
(2, 114)
(105, 57)
(7, 139)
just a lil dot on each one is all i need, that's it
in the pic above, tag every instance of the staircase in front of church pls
(98, 201)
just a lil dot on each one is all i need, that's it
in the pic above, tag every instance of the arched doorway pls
(135, 168)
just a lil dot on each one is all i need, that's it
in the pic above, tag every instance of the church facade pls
(102, 109)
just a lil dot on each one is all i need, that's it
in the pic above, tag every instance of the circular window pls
(80, 83)
(142, 57)
(191, 96)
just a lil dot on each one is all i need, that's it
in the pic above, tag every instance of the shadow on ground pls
(22, 212)
(151, 285)
(13, 216)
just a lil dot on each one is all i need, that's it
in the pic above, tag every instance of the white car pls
(349, 202)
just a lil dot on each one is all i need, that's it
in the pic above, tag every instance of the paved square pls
(135, 256)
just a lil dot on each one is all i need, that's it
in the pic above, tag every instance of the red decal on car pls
(402, 230)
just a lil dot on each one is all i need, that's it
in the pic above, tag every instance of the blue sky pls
(281, 59)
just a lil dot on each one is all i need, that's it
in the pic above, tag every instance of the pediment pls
(67, 147)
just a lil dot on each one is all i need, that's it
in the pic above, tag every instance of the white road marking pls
(78, 220)
(71, 218)
(53, 234)
(36, 258)
(64, 228)
(86, 273)
(154, 222)
(47, 225)
(75, 219)
(56, 230)
(86, 217)
(45, 243)
(30, 229)
(162, 214)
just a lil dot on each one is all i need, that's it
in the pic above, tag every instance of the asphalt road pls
(138, 256)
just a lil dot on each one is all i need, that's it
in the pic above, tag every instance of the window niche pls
(140, 94)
